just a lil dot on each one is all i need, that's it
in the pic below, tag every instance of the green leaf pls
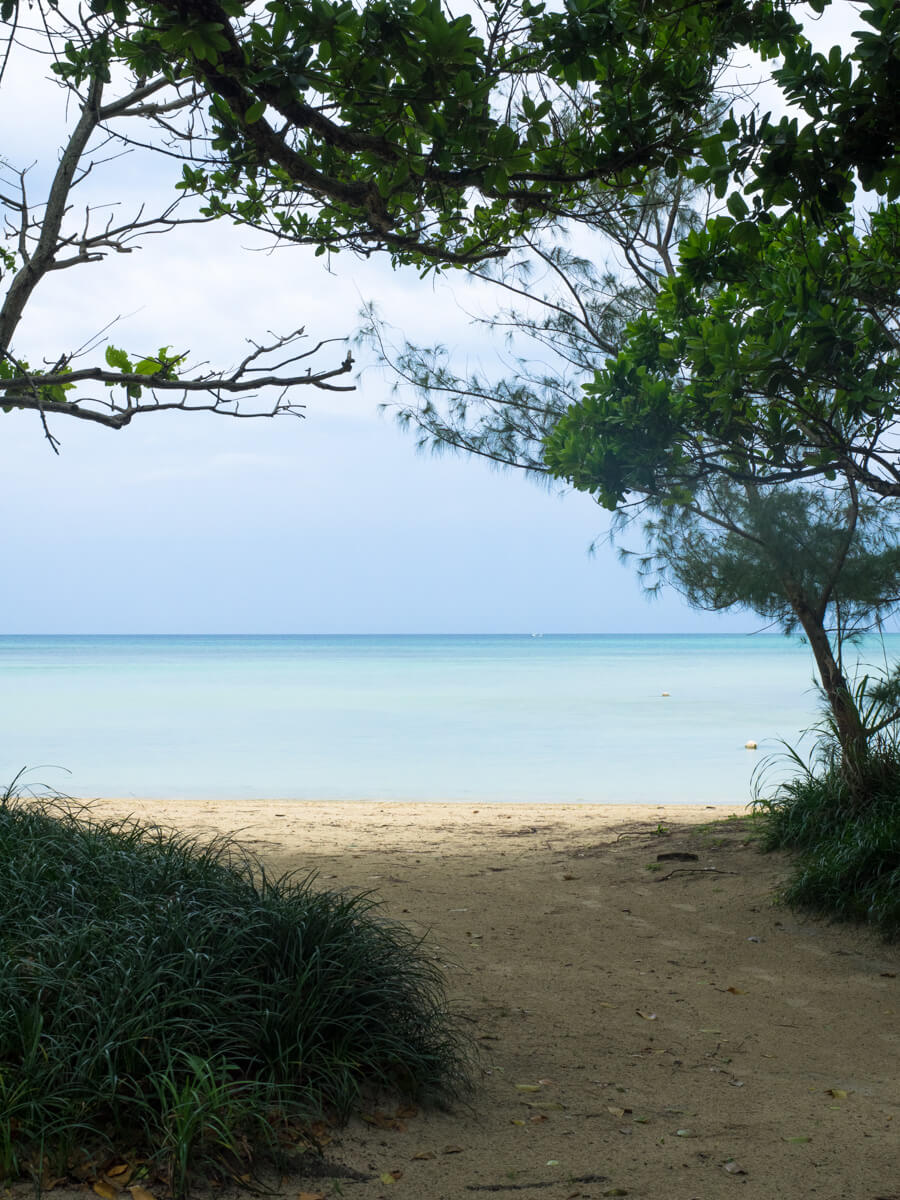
(738, 206)
(117, 358)
(148, 366)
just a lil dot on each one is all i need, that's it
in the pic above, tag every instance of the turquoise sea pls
(474, 718)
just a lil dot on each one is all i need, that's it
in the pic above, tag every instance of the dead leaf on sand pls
(139, 1193)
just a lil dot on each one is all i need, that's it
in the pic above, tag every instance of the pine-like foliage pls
(734, 548)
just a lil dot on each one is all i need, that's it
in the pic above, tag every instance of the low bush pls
(847, 864)
(165, 994)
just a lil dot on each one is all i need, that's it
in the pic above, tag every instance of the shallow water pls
(476, 718)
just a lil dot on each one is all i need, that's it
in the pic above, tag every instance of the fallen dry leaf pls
(647, 1016)
(838, 1093)
(139, 1193)
(104, 1189)
(321, 1132)
(528, 1087)
(453, 1150)
(390, 1176)
(312, 1196)
(736, 991)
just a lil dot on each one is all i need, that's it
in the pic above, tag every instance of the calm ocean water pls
(514, 718)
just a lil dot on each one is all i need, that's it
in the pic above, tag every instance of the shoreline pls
(374, 818)
(452, 803)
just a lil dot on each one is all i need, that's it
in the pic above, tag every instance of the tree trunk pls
(851, 731)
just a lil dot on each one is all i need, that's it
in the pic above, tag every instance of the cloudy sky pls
(330, 524)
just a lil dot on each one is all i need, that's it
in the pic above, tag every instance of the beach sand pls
(677, 1033)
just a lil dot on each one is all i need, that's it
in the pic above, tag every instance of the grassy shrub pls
(848, 855)
(167, 995)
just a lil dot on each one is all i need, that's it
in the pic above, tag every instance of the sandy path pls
(680, 1036)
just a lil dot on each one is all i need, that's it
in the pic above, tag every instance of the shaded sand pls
(680, 1036)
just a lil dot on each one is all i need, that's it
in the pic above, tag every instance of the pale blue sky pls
(331, 524)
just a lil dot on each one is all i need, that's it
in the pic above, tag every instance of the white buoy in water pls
(750, 746)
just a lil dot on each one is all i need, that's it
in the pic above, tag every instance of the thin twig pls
(695, 871)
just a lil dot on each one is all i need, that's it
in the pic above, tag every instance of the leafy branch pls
(45, 391)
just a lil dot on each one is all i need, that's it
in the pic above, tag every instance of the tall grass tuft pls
(847, 864)
(166, 994)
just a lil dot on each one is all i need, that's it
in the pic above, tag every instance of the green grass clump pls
(166, 995)
(848, 853)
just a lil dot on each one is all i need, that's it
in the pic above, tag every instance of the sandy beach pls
(648, 1025)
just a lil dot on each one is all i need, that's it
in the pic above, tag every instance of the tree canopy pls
(398, 125)
(394, 126)
(440, 139)
(774, 359)
(772, 353)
